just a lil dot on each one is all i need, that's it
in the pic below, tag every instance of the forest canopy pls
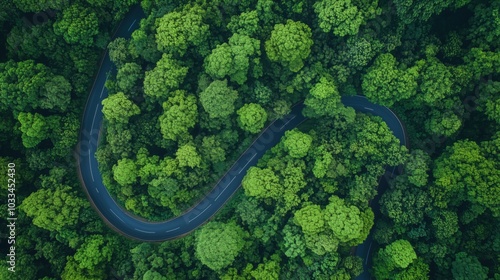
(191, 88)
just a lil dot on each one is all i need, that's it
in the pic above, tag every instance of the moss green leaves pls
(218, 99)
(188, 156)
(234, 59)
(466, 267)
(252, 117)
(385, 84)
(178, 30)
(77, 25)
(323, 100)
(262, 183)
(118, 108)
(125, 172)
(393, 259)
(60, 207)
(310, 219)
(218, 244)
(340, 17)
(290, 44)
(165, 77)
(179, 115)
(297, 143)
(34, 127)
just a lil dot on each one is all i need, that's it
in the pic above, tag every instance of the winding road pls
(137, 228)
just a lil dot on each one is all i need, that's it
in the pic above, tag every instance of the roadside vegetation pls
(198, 80)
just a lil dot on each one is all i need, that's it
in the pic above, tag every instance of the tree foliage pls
(290, 44)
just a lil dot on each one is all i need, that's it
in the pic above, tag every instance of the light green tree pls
(178, 30)
(94, 251)
(310, 219)
(35, 129)
(290, 44)
(261, 183)
(77, 25)
(252, 117)
(61, 207)
(188, 156)
(340, 17)
(180, 113)
(118, 108)
(385, 84)
(218, 99)
(297, 143)
(164, 78)
(233, 59)
(125, 172)
(218, 244)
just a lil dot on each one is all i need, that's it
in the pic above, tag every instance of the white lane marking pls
(103, 87)
(247, 163)
(144, 230)
(287, 122)
(96, 190)
(90, 167)
(174, 229)
(116, 215)
(367, 254)
(200, 213)
(93, 120)
(224, 189)
(368, 108)
(131, 25)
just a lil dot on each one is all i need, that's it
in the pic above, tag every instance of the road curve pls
(137, 228)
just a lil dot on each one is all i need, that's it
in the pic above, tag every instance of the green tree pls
(346, 222)
(247, 23)
(77, 25)
(125, 172)
(178, 30)
(323, 100)
(384, 83)
(38, 6)
(340, 17)
(409, 11)
(252, 117)
(118, 108)
(188, 156)
(60, 207)
(417, 168)
(233, 59)
(268, 270)
(212, 149)
(290, 44)
(27, 85)
(72, 271)
(405, 204)
(218, 244)
(218, 99)
(128, 76)
(462, 174)
(297, 143)
(393, 258)
(35, 129)
(468, 267)
(310, 219)
(261, 183)
(94, 251)
(164, 78)
(435, 81)
(180, 113)
(118, 51)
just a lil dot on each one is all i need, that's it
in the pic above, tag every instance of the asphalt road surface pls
(137, 228)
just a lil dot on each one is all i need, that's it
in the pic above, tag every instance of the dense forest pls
(195, 84)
